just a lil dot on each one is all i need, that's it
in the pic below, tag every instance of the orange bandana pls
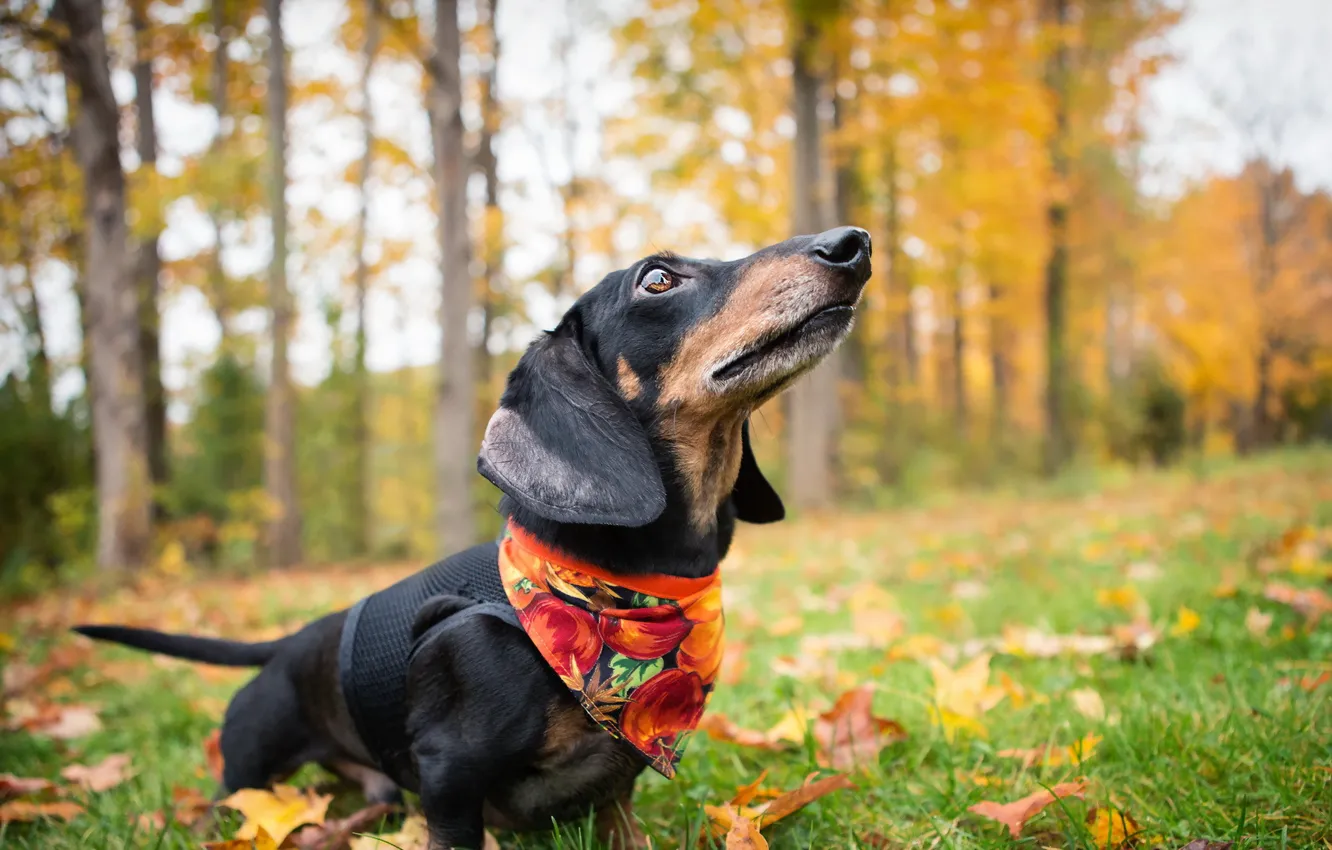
(639, 652)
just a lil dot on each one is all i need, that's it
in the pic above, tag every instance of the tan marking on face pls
(704, 426)
(628, 380)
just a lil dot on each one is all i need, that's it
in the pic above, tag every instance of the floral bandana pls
(639, 652)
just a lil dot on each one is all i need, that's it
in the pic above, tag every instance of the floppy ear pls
(755, 500)
(566, 447)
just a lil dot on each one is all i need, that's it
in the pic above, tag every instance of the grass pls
(1206, 735)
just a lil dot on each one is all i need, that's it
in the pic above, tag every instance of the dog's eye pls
(657, 281)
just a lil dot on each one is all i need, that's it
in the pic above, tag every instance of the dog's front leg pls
(453, 790)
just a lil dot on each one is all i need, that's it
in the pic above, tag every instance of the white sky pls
(1232, 54)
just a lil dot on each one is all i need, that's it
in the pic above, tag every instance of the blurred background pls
(264, 264)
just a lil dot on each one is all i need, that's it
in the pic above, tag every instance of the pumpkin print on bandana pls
(639, 652)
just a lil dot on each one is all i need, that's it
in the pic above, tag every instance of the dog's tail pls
(227, 653)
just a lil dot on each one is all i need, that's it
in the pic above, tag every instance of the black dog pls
(621, 440)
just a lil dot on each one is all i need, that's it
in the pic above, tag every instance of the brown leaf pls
(1053, 756)
(150, 821)
(793, 801)
(18, 786)
(1015, 815)
(744, 835)
(188, 805)
(721, 728)
(23, 811)
(277, 812)
(336, 834)
(212, 746)
(1310, 602)
(1204, 844)
(69, 723)
(108, 773)
(850, 736)
(745, 794)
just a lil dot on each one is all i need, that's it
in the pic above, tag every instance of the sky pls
(1240, 67)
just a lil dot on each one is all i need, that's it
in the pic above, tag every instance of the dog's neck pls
(670, 545)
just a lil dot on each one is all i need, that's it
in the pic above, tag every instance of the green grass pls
(1201, 739)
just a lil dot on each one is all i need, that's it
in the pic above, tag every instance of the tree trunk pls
(454, 450)
(217, 275)
(149, 261)
(1264, 425)
(1058, 445)
(998, 364)
(901, 367)
(284, 531)
(960, 411)
(361, 472)
(812, 401)
(124, 486)
(492, 229)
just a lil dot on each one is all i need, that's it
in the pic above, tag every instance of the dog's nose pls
(841, 247)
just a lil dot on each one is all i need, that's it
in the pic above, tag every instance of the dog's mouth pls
(783, 354)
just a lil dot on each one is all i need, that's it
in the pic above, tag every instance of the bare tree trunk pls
(998, 363)
(454, 451)
(1264, 426)
(124, 486)
(149, 262)
(284, 531)
(217, 275)
(1058, 445)
(361, 472)
(492, 230)
(812, 401)
(899, 369)
(960, 411)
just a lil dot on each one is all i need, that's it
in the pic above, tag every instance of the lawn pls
(1140, 636)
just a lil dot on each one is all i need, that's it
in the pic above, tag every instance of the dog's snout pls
(841, 247)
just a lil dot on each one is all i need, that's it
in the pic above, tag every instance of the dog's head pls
(639, 399)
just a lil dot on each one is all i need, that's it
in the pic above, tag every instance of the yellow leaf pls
(1257, 622)
(1125, 597)
(261, 841)
(277, 812)
(793, 725)
(1088, 703)
(412, 836)
(1185, 621)
(961, 696)
(1110, 827)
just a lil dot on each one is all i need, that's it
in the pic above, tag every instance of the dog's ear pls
(755, 500)
(565, 446)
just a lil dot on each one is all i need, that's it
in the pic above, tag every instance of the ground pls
(1141, 630)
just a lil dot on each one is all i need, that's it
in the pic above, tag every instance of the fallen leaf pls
(1312, 683)
(24, 810)
(1204, 844)
(744, 835)
(261, 841)
(1015, 815)
(1143, 571)
(71, 722)
(721, 728)
(335, 834)
(278, 812)
(188, 805)
(1125, 597)
(212, 747)
(108, 773)
(18, 786)
(1310, 602)
(150, 821)
(1110, 828)
(1025, 642)
(961, 696)
(1049, 756)
(17, 677)
(788, 625)
(792, 726)
(746, 793)
(1088, 703)
(795, 800)
(412, 836)
(1186, 620)
(1257, 622)
(850, 736)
